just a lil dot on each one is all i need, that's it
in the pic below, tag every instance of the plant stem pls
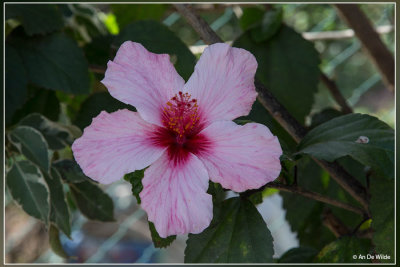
(337, 95)
(308, 194)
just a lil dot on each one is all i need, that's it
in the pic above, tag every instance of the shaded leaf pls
(251, 16)
(125, 13)
(98, 51)
(92, 201)
(382, 212)
(158, 241)
(41, 101)
(324, 116)
(54, 62)
(15, 82)
(55, 243)
(256, 198)
(270, 24)
(59, 212)
(161, 40)
(288, 67)
(303, 214)
(96, 103)
(31, 143)
(240, 235)
(218, 196)
(57, 135)
(70, 171)
(363, 137)
(36, 18)
(27, 189)
(343, 250)
(298, 255)
(135, 178)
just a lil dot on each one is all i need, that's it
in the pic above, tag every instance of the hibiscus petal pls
(241, 157)
(142, 79)
(115, 144)
(223, 83)
(174, 196)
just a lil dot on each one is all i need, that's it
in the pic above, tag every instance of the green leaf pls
(15, 82)
(55, 243)
(298, 255)
(304, 214)
(382, 212)
(57, 135)
(324, 116)
(250, 17)
(31, 143)
(135, 178)
(161, 40)
(218, 196)
(98, 51)
(256, 198)
(344, 249)
(237, 234)
(125, 13)
(96, 103)
(92, 201)
(288, 67)
(59, 212)
(70, 171)
(36, 18)
(363, 137)
(158, 241)
(41, 101)
(27, 189)
(54, 62)
(270, 24)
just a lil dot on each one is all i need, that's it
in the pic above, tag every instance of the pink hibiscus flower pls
(183, 131)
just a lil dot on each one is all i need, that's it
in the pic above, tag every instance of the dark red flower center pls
(181, 128)
(180, 116)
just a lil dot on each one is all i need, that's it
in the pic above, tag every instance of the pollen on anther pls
(181, 114)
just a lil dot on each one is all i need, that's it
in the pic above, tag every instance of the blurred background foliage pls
(55, 58)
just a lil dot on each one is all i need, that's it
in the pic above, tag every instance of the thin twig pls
(370, 40)
(331, 85)
(334, 223)
(308, 194)
(285, 119)
(97, 69)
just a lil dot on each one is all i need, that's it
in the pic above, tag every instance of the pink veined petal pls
(223, 83)
(174, 196)
(241, 157)
(142, 79)
(115, 144)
